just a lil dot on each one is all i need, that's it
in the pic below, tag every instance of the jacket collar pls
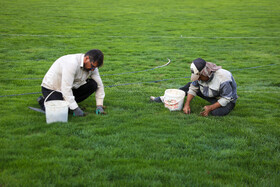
(82, 61)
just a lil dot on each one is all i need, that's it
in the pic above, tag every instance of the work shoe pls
(156, 99)
(41, 100)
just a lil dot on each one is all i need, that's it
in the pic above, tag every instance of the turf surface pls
(141, 143)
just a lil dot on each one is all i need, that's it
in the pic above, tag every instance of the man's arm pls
(208, 108)
(100, 93)
(187, 108)
(68, 75)
(193, 89)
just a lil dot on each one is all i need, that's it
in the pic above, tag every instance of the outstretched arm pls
(187, 108)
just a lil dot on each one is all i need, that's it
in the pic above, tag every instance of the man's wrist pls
(214, 106)
(187, 104)
(210, 107)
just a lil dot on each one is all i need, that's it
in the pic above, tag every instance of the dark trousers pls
(80, 93)
(221, 111)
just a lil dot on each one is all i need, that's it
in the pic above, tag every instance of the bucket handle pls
(48, 96)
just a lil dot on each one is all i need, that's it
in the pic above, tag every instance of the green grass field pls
(141, 143)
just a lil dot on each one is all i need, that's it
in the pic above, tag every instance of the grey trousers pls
(221, 111)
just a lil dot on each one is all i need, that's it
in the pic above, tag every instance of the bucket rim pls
(176, 94)
(174, 89)
(177, 90)
(53, 103)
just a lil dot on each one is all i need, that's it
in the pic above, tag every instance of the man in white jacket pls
(74, 78)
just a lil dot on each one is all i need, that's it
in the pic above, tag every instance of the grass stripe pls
(145, 36)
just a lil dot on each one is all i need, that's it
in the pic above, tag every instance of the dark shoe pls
(41, 100)
(155, 99)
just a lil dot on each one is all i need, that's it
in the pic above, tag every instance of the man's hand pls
(78, 112)
(100, 110)
(187, 109)
(206, 110)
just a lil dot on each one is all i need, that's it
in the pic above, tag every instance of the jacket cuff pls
(99, 102)
(73, 106)
(223, 101)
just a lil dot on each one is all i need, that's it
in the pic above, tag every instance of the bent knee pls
(92, 85)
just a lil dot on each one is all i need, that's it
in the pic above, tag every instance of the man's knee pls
(219, 112)
(92, 85)
(223, 111)
(186, 88)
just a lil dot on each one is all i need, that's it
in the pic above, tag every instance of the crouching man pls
(74, 78)
(211, 83)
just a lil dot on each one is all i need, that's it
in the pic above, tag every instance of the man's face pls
(90, 66)
(203, 78)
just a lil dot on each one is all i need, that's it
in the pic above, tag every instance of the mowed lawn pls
(140, 143)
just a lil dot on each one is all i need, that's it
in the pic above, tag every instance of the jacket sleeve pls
(68, 74)
(100, 93)
(193, 89)
(225, 93)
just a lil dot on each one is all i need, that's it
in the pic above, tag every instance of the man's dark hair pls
(95, 55)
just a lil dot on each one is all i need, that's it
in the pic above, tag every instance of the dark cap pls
(196, 66)
(199, 63)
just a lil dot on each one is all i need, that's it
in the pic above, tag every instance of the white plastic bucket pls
(56, 110)
(174, 99)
